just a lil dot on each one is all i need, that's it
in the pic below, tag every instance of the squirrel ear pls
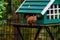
(39, 16)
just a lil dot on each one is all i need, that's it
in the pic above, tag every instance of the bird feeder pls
(47, 13)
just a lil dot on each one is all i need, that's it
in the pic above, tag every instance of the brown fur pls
(31, 19)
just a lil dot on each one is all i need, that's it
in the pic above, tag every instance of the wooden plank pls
(30, 11)
(36, 3)
(34, 25)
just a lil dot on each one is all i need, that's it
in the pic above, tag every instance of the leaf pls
(1, 4)
(0, 16)
(5, 3)
(3, 8)
(1, 12)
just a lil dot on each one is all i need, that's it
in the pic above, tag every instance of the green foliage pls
(16, 3)
(2, 9)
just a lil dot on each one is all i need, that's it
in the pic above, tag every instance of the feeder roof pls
(32, 6)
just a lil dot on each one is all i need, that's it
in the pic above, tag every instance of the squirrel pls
(31, 19)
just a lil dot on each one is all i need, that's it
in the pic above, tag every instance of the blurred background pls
(8, 16)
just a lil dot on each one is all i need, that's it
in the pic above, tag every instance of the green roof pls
(32, 6)
(57, 2)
